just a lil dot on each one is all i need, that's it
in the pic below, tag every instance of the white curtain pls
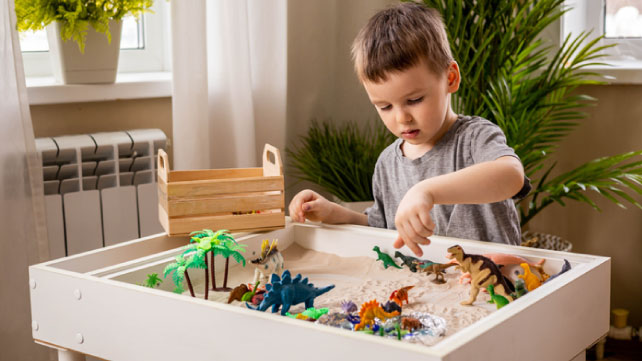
(23, 239)
(229, 81)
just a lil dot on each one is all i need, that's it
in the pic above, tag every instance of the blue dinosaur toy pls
(287, 291)
(565, 268)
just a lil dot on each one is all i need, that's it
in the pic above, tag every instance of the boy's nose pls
(403, 116)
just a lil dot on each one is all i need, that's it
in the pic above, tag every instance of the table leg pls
(68, 355)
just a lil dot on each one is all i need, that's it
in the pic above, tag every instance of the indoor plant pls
(341, 158)
(530, 89)
(83, 34)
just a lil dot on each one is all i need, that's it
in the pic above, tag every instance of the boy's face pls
(414, 104)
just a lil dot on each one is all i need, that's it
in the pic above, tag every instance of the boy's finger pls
(426, 220)
(414, 248)
(419, 228)
(398, 242)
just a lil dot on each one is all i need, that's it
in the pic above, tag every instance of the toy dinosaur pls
(483, 272)
(400, 295)
(509, 264)
(391, 306)
(237, 293)
(311, 314)
(411, 324)
(565, 268)
(499, 300)
(369, 310)
(409, 261)
(287, 291)
(531, 281)
(436, 268)
(348, 307)
(520, 289)
(385, 258)
(270, 261)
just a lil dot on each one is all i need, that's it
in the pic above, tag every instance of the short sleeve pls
(376, 216)
(487, 141)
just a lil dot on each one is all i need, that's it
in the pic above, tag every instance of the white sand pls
(361, 279)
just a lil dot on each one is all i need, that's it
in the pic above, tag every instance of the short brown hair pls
(399, 38)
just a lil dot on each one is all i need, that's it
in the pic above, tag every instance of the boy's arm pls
(485, 182)
(311, 205)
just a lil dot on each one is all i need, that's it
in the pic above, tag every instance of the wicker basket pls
(546, 241)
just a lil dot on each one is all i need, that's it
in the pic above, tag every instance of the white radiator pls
(100, 189)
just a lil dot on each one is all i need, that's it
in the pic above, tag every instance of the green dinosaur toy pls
(310, 313)
(385, 258)
(520, 289)
(499, 300)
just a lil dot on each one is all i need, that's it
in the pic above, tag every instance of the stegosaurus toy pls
(287, 291)
(369, 310)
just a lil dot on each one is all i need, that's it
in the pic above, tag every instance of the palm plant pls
(178, 270)
(529, 89)
(153, 280)
(230, 248)
(341, 159)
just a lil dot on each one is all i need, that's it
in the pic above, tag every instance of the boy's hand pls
(311, 205)
(413, 220)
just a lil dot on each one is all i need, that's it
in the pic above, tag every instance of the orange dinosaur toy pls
(400, 295)
(369, 310)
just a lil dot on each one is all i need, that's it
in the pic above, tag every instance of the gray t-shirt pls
(470, 140)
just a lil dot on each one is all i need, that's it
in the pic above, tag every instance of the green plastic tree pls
(178, 270)
(153, 280)
(230, 248)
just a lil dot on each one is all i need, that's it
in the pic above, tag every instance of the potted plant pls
(341, 159)
(511, 77)
(84, 35)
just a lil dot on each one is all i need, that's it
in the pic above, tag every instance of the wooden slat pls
(176, 190)
(245, 203)
(211, 174)
(247, 222)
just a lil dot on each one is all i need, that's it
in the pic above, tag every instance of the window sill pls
(127, 86)
(620, 71)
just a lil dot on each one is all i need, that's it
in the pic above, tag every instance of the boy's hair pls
(399, 38)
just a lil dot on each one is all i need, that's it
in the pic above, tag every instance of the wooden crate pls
(243, 199)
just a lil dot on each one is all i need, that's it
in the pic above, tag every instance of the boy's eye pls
(416, 100)
(385, 107)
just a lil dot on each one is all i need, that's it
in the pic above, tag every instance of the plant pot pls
(354, 206)
(546, 241)
(99, 62)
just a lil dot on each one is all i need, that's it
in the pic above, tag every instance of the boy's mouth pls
(410, 134)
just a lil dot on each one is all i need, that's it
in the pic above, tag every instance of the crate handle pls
(163, 165)
(272, 169)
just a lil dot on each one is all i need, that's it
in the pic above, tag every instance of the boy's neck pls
(411, 151)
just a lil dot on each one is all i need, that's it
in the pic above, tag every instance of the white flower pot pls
(99, 62)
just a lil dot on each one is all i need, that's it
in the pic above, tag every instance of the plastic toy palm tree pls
(178, 270)
(511, 77)
(230, 248)
(153, 280)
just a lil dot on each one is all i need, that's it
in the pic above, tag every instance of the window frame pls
(154, 57)
(586, 16)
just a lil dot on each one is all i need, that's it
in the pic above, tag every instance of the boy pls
(447, 174)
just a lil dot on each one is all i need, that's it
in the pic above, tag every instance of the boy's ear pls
(454, 77)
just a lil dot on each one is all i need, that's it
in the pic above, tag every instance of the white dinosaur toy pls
(270, 261)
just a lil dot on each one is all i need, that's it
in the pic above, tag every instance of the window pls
(144, 45)
(620, 21)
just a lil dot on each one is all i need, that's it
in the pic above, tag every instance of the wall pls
(321, 81)
(613, 126)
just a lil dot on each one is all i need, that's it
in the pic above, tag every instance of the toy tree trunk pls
(189, 284)
(207, 279)
(212, 271)
(227, 264)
